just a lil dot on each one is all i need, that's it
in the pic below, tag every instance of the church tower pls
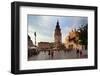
(58, 36)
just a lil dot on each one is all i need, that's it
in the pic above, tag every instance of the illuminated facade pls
(72, 40)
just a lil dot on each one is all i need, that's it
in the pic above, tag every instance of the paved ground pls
(47, 55)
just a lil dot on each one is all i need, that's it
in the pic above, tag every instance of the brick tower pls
(58, 36)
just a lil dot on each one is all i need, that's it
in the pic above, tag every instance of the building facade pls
(58, 36)
(72, 40)
(44, 45)
(30, 43)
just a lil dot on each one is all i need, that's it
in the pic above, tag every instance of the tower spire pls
(57, 22)
(57, 25)
(57, 35)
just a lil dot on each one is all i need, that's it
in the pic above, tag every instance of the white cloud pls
(44, 27)
(40, 35)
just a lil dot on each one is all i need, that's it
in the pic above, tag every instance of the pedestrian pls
(77, 51)
(49, 52)
(52, 54)
(80, 53)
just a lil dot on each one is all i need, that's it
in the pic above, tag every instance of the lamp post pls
(35, 38)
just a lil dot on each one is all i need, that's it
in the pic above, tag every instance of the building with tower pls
(57, 36)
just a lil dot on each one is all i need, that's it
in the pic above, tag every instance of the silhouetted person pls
(52, 54)
(77, 51)
(49, 52)
(80, 53)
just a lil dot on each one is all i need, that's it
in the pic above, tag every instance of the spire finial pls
(57, 25)
(57, 22)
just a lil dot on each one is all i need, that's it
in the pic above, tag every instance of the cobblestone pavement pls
(47, 55)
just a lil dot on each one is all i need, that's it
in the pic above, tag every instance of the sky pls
(44, 26)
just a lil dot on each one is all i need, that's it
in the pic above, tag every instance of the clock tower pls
(58, 36)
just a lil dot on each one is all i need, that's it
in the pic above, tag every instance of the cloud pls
(42, 35)
(44, 26)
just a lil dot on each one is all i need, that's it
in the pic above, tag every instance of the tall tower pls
(58, 36)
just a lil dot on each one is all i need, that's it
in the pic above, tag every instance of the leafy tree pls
(83, 36)
(63, 46)
(51, 45)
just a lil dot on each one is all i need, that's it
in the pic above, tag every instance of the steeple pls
(57, 25)
(57, 22)
(58, 36)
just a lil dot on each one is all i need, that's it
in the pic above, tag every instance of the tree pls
(51, 45)
(63, 46)
(83, 36)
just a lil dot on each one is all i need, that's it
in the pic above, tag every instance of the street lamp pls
(35, 38)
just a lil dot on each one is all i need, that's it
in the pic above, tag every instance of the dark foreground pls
(48, 55)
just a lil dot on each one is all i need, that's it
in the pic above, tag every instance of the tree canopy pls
(83, 36)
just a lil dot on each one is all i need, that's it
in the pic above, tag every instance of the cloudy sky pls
(44, 26)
